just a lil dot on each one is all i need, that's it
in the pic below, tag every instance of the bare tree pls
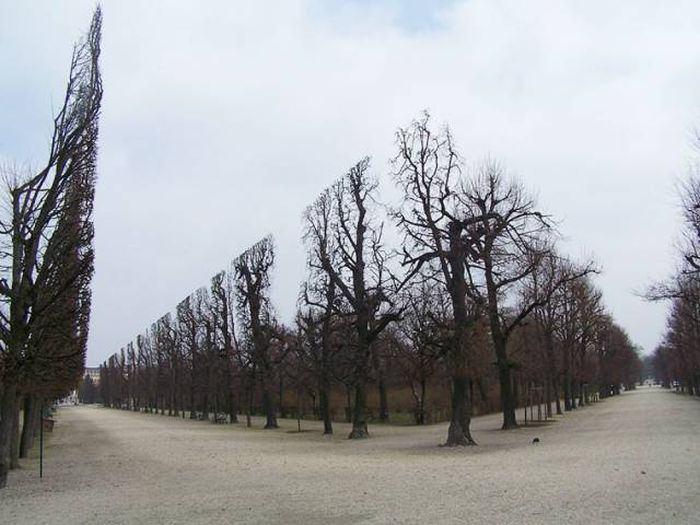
(252, 281)
(508, 238)
(222, 304)
(189, 334)
(38, 207)
(689, 191)
(676, 360)
(427, 169)
(320, 299)
(360, 274)
(546, 317)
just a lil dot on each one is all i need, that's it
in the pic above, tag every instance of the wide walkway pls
(630, 459)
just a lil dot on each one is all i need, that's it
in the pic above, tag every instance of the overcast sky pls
(222, 120)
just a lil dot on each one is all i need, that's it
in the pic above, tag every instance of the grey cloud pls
(222, 122)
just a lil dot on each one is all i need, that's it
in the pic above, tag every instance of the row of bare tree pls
(676, 361)
(477, 292)
(46, 261)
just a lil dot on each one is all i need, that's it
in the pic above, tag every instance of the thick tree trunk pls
(269, 407)
(27, 438)
(359, 416)
(7, 409)
(458, 433)
(359, 419)
(507, 399)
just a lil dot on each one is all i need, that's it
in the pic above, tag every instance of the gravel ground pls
(631, 459)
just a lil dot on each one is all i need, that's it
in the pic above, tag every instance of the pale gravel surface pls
(109, 466)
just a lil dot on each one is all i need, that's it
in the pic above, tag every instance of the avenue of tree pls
(460, 283)
(474, 291)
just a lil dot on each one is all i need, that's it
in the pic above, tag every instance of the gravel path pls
(630, 459)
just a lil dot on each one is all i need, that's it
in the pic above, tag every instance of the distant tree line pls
(46, 261)
(473, 293)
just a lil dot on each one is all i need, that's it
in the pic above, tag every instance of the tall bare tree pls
(36, 234)
(427, 169)
(360, 274)
(252, 281)
(320, 299)
(223, 313)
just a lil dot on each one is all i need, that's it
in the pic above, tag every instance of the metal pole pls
(41, 442)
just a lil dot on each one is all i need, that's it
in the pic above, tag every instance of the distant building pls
(94, 373)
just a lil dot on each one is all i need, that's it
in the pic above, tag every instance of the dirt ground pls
(631, 459)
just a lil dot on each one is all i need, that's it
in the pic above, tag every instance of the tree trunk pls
(27, 438)
(14, 442)
(383, 402)
(458, 433)
(7, 408)
(280, 404)
(359, 423)
(249, 401)
(567, 392)
(557, 401)
(421, 402)
(359, 416)
(193, 412)
(507, 401)
(552, 381)
(348, 404)
(205, 407)
(232, 408)
(269, 407)
(324, 408)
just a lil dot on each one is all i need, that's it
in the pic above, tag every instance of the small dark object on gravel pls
(536, 440)
(643, 472)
